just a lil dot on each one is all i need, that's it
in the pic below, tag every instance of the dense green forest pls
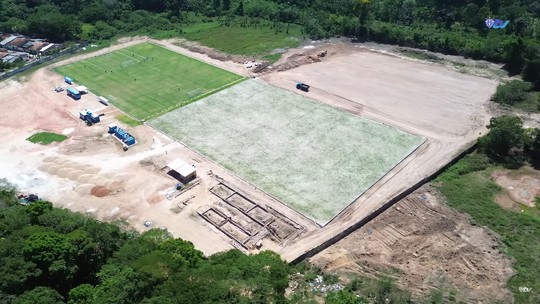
(448, 26)
(50, 255)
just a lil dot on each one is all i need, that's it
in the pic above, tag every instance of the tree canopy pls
(52, 256)
(452, 27)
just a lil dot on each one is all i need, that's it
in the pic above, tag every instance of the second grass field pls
(147, 80)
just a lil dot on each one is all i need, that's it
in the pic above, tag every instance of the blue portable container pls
(73, 93)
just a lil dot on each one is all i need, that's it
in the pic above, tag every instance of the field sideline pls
(147, 80)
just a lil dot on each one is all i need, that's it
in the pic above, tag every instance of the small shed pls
(4, 42)
(82, 89)
(182, 171)
(46, 48)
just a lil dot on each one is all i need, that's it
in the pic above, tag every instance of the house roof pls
(181, 167)
(28, 44)
(38, 45)
(10, 58)
(8, 40)
(19, 41)
(46, 47)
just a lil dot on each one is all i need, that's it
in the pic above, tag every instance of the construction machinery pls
(302, 86)
(58, 88)
(25, 199)
(89, 117)
(322, 54)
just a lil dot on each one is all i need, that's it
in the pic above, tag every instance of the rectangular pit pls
(222, 191)
(240, 202)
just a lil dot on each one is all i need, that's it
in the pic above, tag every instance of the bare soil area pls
(520, 187)
(90, 173)
(448, 108)
(424, 244)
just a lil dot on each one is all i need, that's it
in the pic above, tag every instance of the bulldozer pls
(322, 54)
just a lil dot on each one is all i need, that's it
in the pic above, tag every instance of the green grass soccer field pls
(147, 80)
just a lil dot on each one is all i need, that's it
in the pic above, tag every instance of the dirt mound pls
(53, 169)
(52, 159)
(74, 174)
(114, 185)
(84, 178)
(64, 172)
(100, 191)
(91, 170)
(84, 189)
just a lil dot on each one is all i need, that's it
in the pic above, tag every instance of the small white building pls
(182, 171)
(82, 89)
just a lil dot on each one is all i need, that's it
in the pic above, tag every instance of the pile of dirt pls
(100, 191)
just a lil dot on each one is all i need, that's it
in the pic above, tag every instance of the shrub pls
(512, 92)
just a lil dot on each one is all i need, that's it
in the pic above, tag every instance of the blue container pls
(130, 141)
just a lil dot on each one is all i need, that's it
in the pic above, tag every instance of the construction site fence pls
(43, 60)
(364, 221)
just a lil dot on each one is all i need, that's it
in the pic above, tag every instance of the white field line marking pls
(131, 52)
(131, 57)
(182, 103)
(99, 67)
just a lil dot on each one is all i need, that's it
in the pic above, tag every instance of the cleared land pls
(146, 80)
(423, 244)
(314, 158)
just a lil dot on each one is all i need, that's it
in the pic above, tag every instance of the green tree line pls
(452, 27)
(51, 256)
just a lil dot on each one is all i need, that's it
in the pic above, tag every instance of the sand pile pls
(90, 182)
(100, 191)
(84, 189)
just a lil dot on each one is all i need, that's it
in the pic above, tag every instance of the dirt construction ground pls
(424, 245)
(447, 108)
(90, 173)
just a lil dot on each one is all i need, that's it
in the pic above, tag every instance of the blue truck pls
(68, 80)
(89, 117)
(73, 93)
